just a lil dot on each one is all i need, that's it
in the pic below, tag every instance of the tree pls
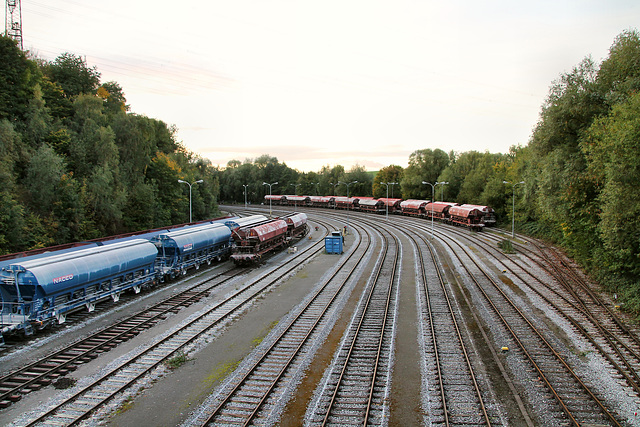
(480, 171)
(171, 207)
(68, 210)
(363, 186)
(18, 76)
(73, 75)
(113, 96)
(392, 173)
(614, 141)
(424, 165)
(43, 176)
(619, 74)
(329, 178)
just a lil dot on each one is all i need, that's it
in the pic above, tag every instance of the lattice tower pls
(13, 21)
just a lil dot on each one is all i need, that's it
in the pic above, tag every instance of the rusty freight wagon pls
(256, 241)
(467, 216)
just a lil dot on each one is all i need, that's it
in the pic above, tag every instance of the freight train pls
(474, 217)
(42, 288)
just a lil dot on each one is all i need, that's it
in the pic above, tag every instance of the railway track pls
(572, 298)
(356, 387)
(54, 366)
(448, 360)
(576, 401)
(355, 390)
(253, 395)
(86, 398)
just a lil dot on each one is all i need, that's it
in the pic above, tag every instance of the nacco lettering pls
(63, 278)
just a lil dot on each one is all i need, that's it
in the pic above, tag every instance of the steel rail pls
(284, 271)
(457, 330)
(287, 363)
(84, 348)
(357, 332)
(630, 374)
(514, 335)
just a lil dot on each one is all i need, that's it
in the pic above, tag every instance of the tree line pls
(76, 163)
(579, 172)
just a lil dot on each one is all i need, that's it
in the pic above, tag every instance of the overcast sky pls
(332, 82)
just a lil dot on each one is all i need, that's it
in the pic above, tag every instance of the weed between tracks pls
(176, 361)
(506, 246)
(125, 406)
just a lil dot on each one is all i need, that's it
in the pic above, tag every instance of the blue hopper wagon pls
(189, 247)
(36, 291)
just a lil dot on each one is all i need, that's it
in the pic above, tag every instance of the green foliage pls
(613, 141)
(506, 246)
(360, 188)
(76, 165)
(176, 361)
(73, 75)
(18, 77)
(43, 176)
(391, 173)
(424, 165)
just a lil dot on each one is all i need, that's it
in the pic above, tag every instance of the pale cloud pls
(333, 82)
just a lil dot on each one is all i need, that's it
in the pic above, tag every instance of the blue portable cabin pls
(37, 291)
(333, 244)
(182, 249)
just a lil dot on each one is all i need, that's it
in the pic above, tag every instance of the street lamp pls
(334, 193)
(443, 184)
(387, 204)
(273, 183)
(334, 187)
(245, 195)
(185, 182)
(392, 184)
(347, 184)
(433, 196)
(513, 209)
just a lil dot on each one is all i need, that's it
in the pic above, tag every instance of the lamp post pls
(334, 187)
(513, 208)
(387, 184)
(273, 183)
(334, 193)
(433, 196)
(347, 184)
(443, 184)
(295, 193)
(185, 182)
(316, 184)
(245, 195)
(392, 184)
